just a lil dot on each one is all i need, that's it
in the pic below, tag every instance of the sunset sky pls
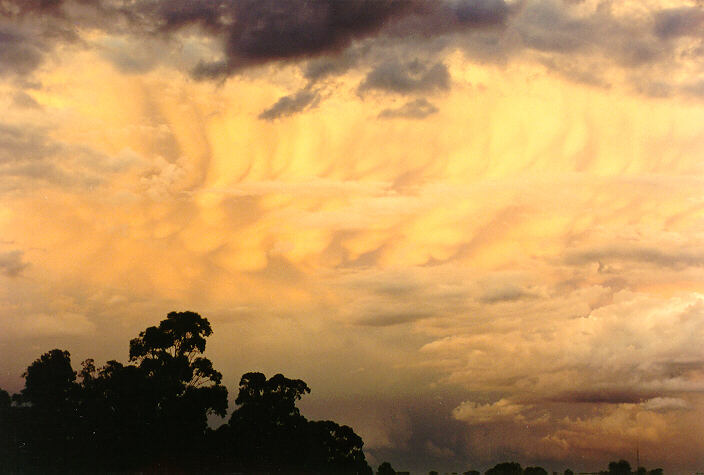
(475, 228)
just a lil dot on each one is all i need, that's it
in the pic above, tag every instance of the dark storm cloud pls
(406, 78)
(335, 36)
(415, 109)
(11, 264)
(289, 105)
(262, 31)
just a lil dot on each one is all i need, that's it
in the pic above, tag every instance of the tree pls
(49, 381)
(622, 467)
(386, 469)
(505, 468)
(268, 433)
(334, 448)
(471, 472)
(535, 471)
(47, 411)
(181, 387)
(568, 472)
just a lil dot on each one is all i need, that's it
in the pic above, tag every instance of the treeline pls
(622, 467)
(152, 415)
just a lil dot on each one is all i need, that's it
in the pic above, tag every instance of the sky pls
(475, 228)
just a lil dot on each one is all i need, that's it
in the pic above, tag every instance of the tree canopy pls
(152, 414)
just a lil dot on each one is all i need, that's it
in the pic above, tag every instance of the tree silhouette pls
(267, 432)
(47, 410)
(385, 469)
(180, 388)
(151, 415)
(622, 467)
(535, 471)
(505, 468)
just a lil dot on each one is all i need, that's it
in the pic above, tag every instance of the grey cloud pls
(394, 318)
(508, 293)
(415, 109)
(675, 22)
(11, 264)
(24, 143)
(547, 27)
(332, 65)
(292, 104)
(576, 72)
(20, 53)
(30, 152)
(22, 99)
(405, 78)
(695, 88)
(602, 396)
(649, 255)
(428, 19)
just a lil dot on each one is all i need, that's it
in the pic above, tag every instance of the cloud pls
(22, 99)
(501, 410)
(406, 78)
(67, 323)
(385, 320)
(29, 152)
(415, 109)
(20, 52)
(289, 105)
(507, 293)
(638, 253)
(682, 21)
(263, 31)
(602, 396)
(11, 263)
(665, 404)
